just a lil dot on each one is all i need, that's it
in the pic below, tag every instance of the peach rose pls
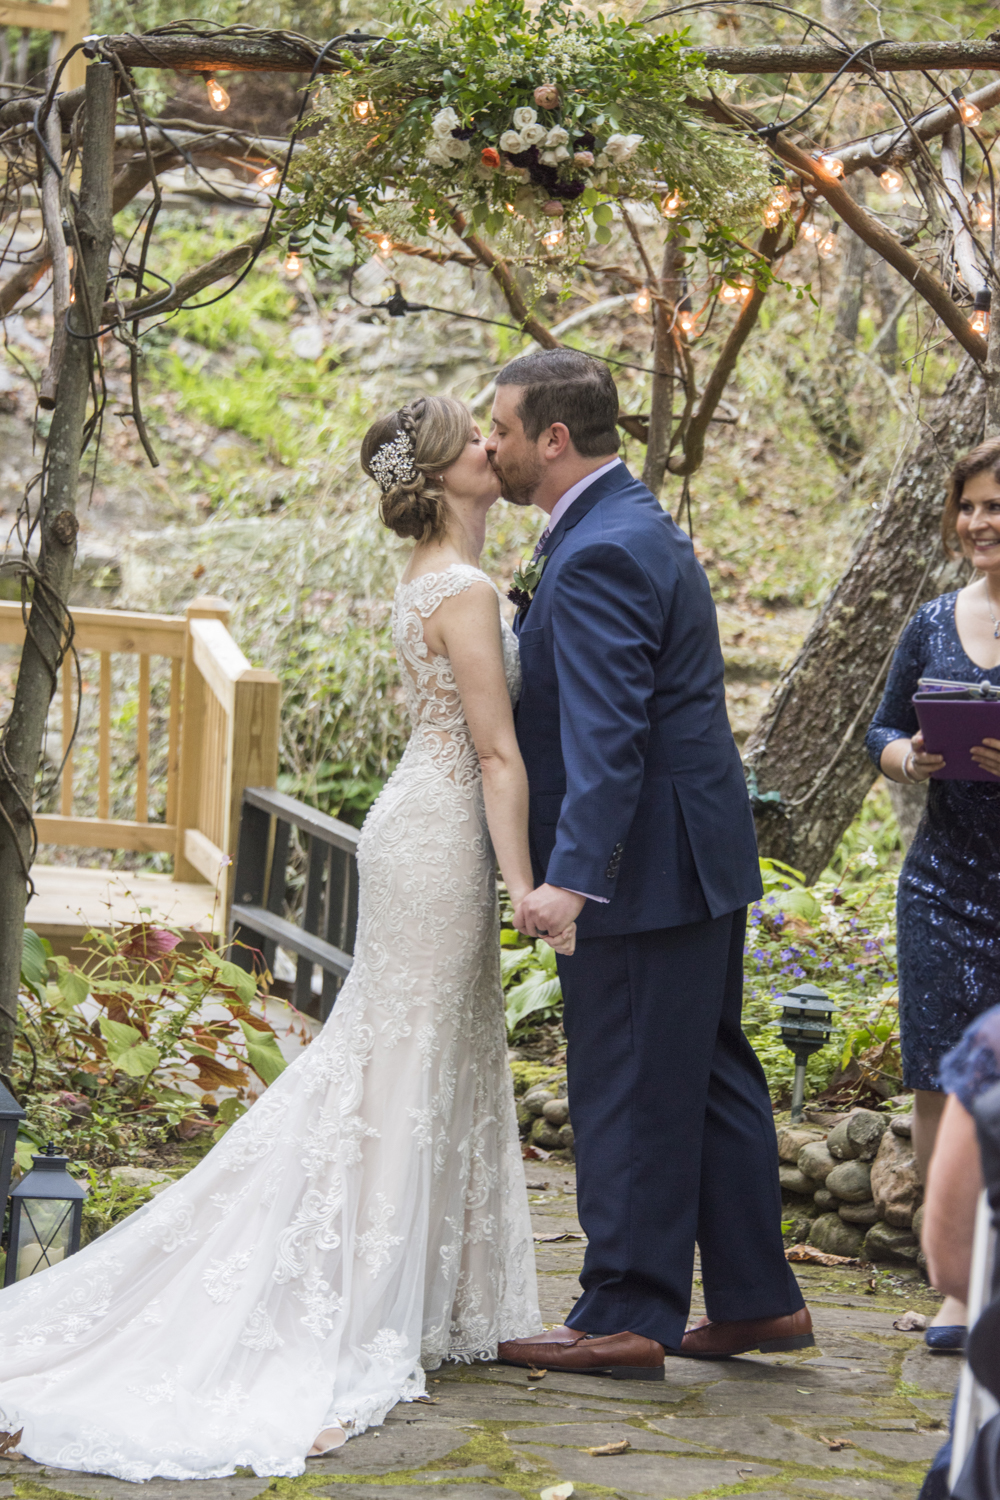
(490, 156)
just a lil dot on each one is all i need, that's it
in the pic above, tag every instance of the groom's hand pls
(547, 910)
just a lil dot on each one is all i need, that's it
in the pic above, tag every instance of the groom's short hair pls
(563, 385)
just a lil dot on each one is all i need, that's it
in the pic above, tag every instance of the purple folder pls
(953, 719)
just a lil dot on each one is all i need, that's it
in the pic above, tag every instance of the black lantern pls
(46, 1210)
(11, 1115)
(806, 1025)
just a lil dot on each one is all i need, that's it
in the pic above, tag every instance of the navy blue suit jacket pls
(636, 786)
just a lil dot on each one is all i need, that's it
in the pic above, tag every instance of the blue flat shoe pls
(949, 1338)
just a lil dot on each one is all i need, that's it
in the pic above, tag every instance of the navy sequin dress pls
(948, 909)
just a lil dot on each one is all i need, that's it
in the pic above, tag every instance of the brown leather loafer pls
(619, 1356)
(707, 1340)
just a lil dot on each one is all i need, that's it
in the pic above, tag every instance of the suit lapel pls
(617, 479)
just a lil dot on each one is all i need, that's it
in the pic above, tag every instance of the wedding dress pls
(366, 1219)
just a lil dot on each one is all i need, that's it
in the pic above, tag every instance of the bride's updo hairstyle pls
(405, 453)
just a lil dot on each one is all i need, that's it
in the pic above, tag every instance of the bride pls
(367, 1218)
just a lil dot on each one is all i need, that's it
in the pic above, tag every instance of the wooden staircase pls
(176, 688)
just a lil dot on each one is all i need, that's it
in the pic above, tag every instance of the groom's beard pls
(520, 479)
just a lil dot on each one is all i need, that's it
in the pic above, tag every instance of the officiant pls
(948, 908)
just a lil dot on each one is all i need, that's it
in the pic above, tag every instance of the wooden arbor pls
(69, 22)
(221, 719)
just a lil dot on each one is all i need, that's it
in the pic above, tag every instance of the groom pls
(641, 831)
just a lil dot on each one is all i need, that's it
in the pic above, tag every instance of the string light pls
(728, 293)
(293, 264)
(983, 212)
(781, 198)
(891, 180)
(672, 205)
(687, 319)
(362, 109)
(968, 113)
(553, 238)
(268, 177)
(385, 244)
(827, 246)
(771, 216)
(642, 301)
(832, 164)
(980, 320)
(217, 96)
(810, 231)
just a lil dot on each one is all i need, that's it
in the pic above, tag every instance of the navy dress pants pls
(674, 1134)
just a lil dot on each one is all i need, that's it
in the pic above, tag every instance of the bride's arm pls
(469, 627)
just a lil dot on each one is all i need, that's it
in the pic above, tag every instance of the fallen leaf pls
(9, 1442)
(552, 1239)
(536, 1374)
(813, 1257)
(606, 1449)
(534, 1153)
(557, 1491)
(428, 1400)
(910, 1322)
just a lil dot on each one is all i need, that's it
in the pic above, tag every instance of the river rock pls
(839, 1144)
(556, 1111)
(566, 1136)
(883, 1242)
(902, 1125)
(815, 1161)
(896, 1185)
(830, 1233)
(536, 1099)
(865, 1130)
(141, 1177)
(859, 1213)
(791, 1139)
(545, 1135)
(525, 1119)
(824, 1200)
(851, 1181)
(794, 1181)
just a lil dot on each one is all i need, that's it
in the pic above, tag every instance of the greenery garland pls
(528, 124)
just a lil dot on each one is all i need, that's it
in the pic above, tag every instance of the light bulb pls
(745, 291)
(385, 244)
(781, 199)
(268, 177)
(293, 264)
(510, 208)
(553, 238)
(772, 216)
(729, 293)
(642, 301)
(72, 294)
(672, 205)
(687, 322)
(979, 322)
(827, 246)
(217, 96)
(833, 165)
(967, 111)
(983, 212)
(810, 231)
(362, 109)
(891, 180)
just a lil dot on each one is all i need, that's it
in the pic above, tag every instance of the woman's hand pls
(987, 755)
(564, 942)
(907, 760)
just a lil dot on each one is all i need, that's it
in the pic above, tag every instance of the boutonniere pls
(525, 581)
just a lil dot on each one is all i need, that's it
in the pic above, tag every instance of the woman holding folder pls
(948, 912)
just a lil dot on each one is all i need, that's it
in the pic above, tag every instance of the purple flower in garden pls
(870, 946)
(798, 972)
(771, 900)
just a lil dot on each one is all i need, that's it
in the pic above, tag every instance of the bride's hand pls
(564, 942)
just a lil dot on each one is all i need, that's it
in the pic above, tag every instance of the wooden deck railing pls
(221, 723)
(69, 20)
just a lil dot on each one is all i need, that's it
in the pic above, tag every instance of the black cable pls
(771, 131)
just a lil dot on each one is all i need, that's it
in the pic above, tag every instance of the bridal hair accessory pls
(393, 464)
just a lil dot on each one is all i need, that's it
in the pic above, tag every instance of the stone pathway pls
(860, 1415)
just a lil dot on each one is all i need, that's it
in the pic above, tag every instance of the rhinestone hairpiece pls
(392, 464)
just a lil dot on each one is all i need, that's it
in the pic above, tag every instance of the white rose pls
(435, 153)
(512, 142)
(444, 122)
(561, 154)
(621, 147)
(548, 159)
(533, 135)
(456, 149)
(557, 136)
(524, 116)
(603, 160)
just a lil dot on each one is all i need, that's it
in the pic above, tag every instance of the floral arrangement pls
(527, 124)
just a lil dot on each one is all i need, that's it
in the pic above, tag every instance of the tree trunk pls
(661, 408)
(809, 746)
(48, 620)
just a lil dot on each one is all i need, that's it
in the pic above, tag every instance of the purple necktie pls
(540, 544)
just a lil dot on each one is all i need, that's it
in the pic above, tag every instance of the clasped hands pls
(549, 912)
(922, 764)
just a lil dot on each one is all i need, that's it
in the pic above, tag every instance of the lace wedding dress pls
(365, 1220)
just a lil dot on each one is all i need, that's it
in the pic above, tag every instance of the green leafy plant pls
(132, 1045)
(531, 984)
